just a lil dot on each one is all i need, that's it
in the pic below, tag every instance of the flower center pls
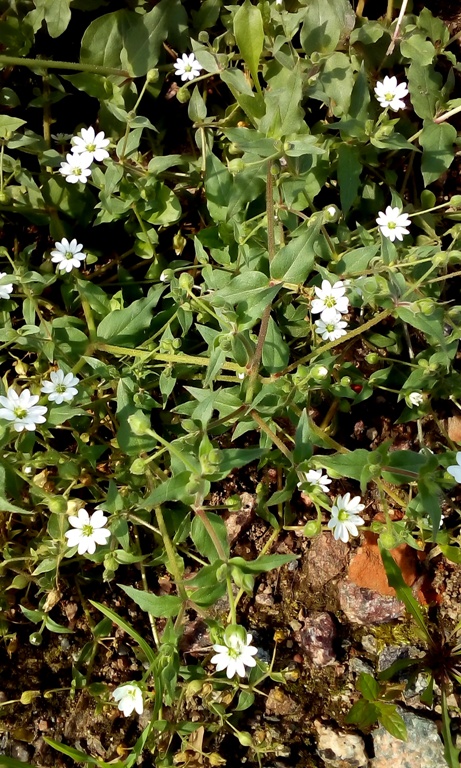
(91, 147)
(330, 301)
(343, 515)
(68, 255)
(20, 413)
(60, 388)
(389, 97)
(88, 530)
(188, 68)
(391, 225)
(77, 171)
(330, 327)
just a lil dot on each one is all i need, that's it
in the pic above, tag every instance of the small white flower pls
(22, 410)
(390, 94)
(236, 654)
(91, 143)
(331, 301)
(279, 2)
(187, 67)
(67, 255)
(129, 698)
(392, 223)
(6, 289)
(317, 479)
(415, 398)
(331, 330)
(61, 388)
(77, 167)
(344, 517)
(87, 531)
(455, 469)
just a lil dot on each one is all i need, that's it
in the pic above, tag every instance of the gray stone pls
(423, 748)
(339, 749)
(316, 637)
(364, 606)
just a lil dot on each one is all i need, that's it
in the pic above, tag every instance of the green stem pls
(173, 450)
(163, 357)
(268, 431)
(200, 512)
(18, 61)
(171, 554)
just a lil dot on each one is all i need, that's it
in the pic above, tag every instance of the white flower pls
(455, 469)
(67, 255)
(390, 93)
(91, 143)
(129, 698)
(317, 479)
(279, 2)
(61, 388)
(22, 410)
(392, 223)
(415, 398)
(331, 330)
(331, 301)
(87, 531)
(320, 372)
(6, 289)
(77, 167)
(344, 517)
(187, 67)
(236, 654)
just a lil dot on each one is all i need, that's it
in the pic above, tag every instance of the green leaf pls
(116, 619)
(294, 262)
(245, 700)
(363, 713)
(74, 754)
(249, 34)
(418, 49)
(425, 85)
(391, 720)
(368, 686)
(125, 326)
(347, 464)
(437, 141)
(276, 352)
(126, 38)
(325, 24)
(349, 170)
(337, 79)
(218, 186)
(284, 115)
(261, 564)
(57, 16)
(205, 544)
(9, 125)
(173, 489)
(165, 606)
(404, 593)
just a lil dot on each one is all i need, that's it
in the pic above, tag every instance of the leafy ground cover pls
(229, 335)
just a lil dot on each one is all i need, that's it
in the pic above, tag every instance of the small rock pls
(357, 666)
(423, 747)
(326, 559)
(339, 749)
(367, 568)
(279, 704)
(316, 638)
(363, 606)
(236, 522)
(19, 752)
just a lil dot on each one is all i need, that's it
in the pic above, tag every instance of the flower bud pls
(235, 166)
(166, 276)
(36, 638)
(138, 467)
(58, 505)
(331, 213)
(372, 358)
(139, 423)
(183, 95)
(186, 281)
(152, 75)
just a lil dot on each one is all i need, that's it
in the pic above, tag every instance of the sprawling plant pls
(224, 237)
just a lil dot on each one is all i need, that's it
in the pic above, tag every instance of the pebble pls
(326, 559)
(423, 747)
(363, 606)
(316, 638)
(19, 752)
(341, 750)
